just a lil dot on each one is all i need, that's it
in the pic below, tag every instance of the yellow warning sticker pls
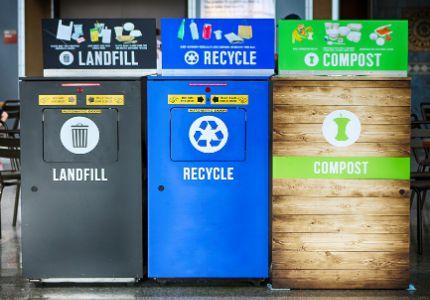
(105, 100)
(198, 110)
(81, 111)
(58, 100)
(229, 99)
(187, 99)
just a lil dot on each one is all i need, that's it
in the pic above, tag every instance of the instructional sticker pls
(81, 111)
(58, 100)
(229, 99)
(105, 100)
(200, 110)
(187, 99)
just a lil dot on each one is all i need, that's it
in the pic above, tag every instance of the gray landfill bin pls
(83, 179)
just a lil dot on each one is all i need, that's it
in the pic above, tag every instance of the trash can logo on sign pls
(341, 128)
(208, 134)
(66, 58)
(79, 135)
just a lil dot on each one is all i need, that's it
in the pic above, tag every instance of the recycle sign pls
(208, 134)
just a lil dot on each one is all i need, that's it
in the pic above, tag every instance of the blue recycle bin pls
(208, 172)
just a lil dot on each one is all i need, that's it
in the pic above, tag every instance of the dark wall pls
(419, 62)
(8, 52)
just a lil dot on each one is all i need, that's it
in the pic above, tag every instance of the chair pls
(12, 107)
(425, 110)
(420, 188)
(10, 148)
(420, 153)
(414, 120)
(420, 179)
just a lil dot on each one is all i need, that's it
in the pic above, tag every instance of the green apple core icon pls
(341, 123)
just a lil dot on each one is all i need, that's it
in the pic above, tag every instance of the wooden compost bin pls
(340, 233)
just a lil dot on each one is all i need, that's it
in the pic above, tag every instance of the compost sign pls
(121, 46)
(341, 128)
(343, 47)
(218, 46)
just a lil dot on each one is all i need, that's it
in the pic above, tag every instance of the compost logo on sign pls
(341, 128)
(208, 134)
(79, 135)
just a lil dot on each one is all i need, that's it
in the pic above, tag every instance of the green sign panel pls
(304, 167)
(343, 47)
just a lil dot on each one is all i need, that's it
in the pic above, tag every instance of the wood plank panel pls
(344, 242)
(381, 149)
(341, 188)
(284, 94)
(327, 260)
(329, 233)
(340, 223)
(312, 133)
(342, 82)
(297, 205)
(341, 279)
(302, 114)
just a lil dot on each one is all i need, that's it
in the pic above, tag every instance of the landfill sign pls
(99, 44)
(343, 47)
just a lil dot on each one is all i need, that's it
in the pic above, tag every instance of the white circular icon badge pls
(208, 134)
(66, 58)
(191, 57)
(311, 59)
(341, 128)
(79, 135)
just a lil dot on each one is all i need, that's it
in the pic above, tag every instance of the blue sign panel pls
(218, 46)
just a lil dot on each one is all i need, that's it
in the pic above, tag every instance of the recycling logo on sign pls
(208, 134)
(191, 57)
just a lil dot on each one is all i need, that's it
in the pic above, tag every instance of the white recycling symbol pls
(208, 134)
(191, 57)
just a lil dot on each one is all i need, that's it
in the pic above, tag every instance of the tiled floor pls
(13, 286)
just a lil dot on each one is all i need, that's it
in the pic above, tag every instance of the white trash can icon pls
(79, 135)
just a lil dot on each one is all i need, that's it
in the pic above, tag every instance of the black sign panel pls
(99, 44)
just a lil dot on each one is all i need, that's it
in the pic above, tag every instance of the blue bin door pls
(208, 205)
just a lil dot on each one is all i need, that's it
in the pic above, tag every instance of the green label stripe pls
(302, 167)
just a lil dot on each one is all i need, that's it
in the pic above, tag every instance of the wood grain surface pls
(339, 233)
(341, 279)
(337, 242)
(302, 205)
